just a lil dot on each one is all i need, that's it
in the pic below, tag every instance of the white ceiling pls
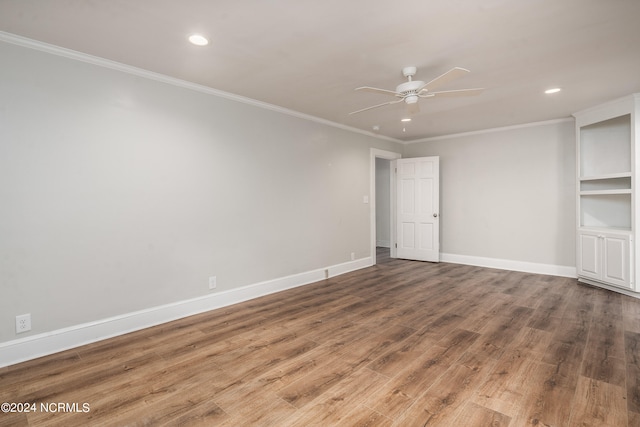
(310, 55)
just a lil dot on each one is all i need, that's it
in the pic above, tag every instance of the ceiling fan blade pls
(460, 92)
(413, 108)
(376, 106)
(377, 90)
(450, 75)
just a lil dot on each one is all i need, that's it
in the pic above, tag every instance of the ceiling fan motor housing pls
(410, 88)
(409, 71)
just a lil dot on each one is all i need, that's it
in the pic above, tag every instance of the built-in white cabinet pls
(605, 257)
(607, 215)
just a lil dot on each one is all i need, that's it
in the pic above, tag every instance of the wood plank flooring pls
(398, 344)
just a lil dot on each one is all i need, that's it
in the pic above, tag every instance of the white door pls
(417, 208)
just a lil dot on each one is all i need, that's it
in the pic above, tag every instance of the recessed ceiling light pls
(554, 90)
(198, 40)
(406, 119)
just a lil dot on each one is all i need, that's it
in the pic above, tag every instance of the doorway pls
(383, 209)
(382, 201)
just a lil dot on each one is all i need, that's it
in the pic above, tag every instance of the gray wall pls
(508, 194)
(120, 193)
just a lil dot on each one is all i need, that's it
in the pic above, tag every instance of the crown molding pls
(490, 130)
(140, 72)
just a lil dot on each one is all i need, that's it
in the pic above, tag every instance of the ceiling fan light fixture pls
(411, 99)
(198, 40)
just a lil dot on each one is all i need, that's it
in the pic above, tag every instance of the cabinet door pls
(589, 257)
(617, 259)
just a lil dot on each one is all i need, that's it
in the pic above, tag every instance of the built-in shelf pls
(607, 176)
(606, 210)
(603, 192)
(605, 229)
(606, 161)
(605, 184)
(605, 147)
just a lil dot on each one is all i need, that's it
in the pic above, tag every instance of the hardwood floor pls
(398, 344)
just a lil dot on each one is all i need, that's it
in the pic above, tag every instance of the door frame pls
(387, 155)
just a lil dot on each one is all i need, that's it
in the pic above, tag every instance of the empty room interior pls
(295, 213)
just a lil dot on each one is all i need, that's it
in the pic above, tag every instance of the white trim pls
(35, 346)
(388, 155)
(490, 130)
(349, 266)
(113, 65)
(624, 291)
(608, 110)
(507, 264)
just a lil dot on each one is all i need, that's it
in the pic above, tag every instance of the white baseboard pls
(383, 244)
(349, 266)
(506, 264)
(609, 287)
(35, 346)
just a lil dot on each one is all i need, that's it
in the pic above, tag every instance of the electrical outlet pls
(23, 323)
(213, 282)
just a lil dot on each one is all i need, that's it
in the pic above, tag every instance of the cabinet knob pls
(435, 215)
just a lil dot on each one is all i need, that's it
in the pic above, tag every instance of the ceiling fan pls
(412, 90)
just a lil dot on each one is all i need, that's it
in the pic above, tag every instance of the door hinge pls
(396, 246)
